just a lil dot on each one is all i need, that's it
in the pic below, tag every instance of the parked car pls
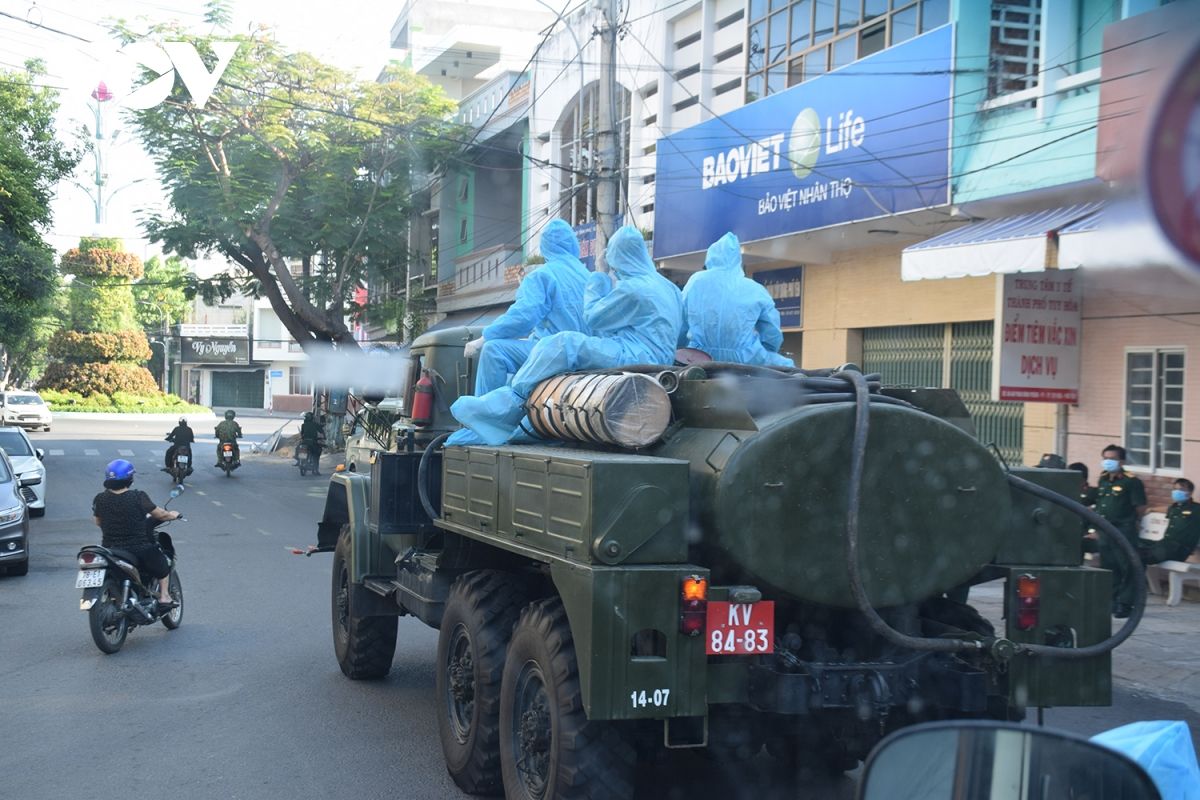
(27, 464)
(14, 522)
(25, 409)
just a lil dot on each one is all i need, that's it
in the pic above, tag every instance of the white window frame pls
(1156, 351)
(296, 378)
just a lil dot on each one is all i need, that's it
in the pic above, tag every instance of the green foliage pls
(162, 292)
(27, 284)
(294, 159)
(98, 378)
(121, 402)
(32, 160)
(126, 345)
(102, 263)
(89, 243)
(99, 308)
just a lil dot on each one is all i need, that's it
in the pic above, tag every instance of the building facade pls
(887, 148)
(237, 354)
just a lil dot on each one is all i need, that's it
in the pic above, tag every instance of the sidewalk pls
(1161, 658)
(112, 415)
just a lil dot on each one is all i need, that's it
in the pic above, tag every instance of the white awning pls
(1123, 234)
(1007, 244)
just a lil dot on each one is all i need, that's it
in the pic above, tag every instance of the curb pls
(112, 415)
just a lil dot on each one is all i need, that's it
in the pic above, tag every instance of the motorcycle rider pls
(311, 435)
(121, 514)
(181, 436)
(229, 431)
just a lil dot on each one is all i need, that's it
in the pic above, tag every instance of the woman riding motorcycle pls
(121, 514)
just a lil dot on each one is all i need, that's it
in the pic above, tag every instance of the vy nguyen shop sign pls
(785, 287)
(868, 140)
(1036, 358)
(214, 350)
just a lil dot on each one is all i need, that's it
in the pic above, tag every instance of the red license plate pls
(740, 628)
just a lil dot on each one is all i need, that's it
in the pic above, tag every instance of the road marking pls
(202, 494)
(158, 452)
(124, 452)
(91, 452)
(264, 533)
(237, 516)
(216, 502)
(56, 452)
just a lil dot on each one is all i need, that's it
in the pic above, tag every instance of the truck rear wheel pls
(364, 646)
(549, 749)
(478, 621)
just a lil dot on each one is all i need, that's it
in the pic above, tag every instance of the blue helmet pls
(118, 470)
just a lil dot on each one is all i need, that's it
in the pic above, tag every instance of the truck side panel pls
(633, 661)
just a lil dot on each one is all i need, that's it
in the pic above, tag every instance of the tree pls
(162, 292)
(296, 172)
(32, 160)
(102, 351)
(28, 281)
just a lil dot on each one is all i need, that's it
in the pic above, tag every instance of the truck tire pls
(477, 624)
(549, 750)
(364, 646)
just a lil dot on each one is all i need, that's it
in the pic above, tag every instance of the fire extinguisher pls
(422, 407)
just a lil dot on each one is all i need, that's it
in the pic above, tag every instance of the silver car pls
(14, 523)
(26, 409)
(27, 464)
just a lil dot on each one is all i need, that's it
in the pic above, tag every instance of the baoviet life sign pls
(215, 350)
(1036, 340)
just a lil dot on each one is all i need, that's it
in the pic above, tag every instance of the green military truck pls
(784, 567)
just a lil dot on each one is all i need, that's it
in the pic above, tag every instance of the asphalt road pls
(245, 700)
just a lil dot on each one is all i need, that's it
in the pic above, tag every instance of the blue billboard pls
(867, 140)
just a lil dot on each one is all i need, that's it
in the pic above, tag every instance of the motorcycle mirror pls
(977, 760)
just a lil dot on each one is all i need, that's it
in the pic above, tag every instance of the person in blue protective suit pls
(549, 300)
(634, 320)
(730, 316)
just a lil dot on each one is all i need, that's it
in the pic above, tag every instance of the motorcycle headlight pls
(13, 514)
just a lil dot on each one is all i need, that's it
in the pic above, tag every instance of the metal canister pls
(625, 409)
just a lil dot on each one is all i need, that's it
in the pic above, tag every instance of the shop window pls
(1014, 51)
(1154, 408)
(298, 382)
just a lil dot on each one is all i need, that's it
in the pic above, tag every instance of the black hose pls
(858, 457)
(423, 476)
(1107, 529)
(858, 454)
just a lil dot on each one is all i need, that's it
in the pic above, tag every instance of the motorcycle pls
(229, 459)
(308, 459)
(181, 464)
(114, 595)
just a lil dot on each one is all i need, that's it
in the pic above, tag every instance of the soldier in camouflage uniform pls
(1183, 528)
(1120, 499)
(229, 431)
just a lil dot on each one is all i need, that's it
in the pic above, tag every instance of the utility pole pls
(608, 142)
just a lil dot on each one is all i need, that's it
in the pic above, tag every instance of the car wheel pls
(46, 429)
(37, 512)
(19, 569)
